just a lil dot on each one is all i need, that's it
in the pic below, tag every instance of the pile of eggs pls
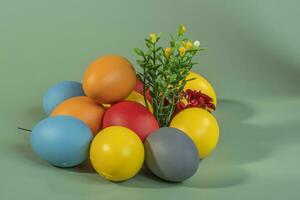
(104, 119)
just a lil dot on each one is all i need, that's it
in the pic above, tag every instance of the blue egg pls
(63, 141)
(60, 92)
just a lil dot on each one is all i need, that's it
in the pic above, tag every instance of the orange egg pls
(83, 108)
(109, 79)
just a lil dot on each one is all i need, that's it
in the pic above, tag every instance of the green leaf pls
(148, 41)
(172, 43)
(173, 77)
(157, 39)
(148, 45)
(140, 62)
(190, 79)
(172, 37)
(138, 51)
(157, 66)
(158, 49)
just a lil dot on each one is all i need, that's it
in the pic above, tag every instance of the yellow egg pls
(200, 83)
(137, 97)
(117, 153)
(201, 126)
(106, 105)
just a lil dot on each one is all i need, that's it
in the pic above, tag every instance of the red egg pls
(139, 87)
(131, 115)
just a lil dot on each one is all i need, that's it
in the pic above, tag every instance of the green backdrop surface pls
(253, 63)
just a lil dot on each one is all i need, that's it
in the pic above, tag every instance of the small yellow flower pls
(181, 29)
(181, 51)
(152, 37)
(184, 100)
(168, 51)
(188, 45)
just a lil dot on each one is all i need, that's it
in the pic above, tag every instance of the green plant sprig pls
(164, 72)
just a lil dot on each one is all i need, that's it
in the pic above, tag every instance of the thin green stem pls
(144, 88)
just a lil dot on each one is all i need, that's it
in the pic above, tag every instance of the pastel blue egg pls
(60, 92)
(63, 141)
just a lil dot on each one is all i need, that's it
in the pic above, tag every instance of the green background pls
(252, 62)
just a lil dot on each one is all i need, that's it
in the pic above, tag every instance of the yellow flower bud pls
(152, 37)
(181, 51)
(168, 51)
(188, 45)
(181, 29)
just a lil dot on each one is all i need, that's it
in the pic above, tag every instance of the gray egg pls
(171, 155)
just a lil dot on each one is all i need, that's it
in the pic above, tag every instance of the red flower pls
(195, 99)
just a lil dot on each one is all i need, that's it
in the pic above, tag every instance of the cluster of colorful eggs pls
(104, 118)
